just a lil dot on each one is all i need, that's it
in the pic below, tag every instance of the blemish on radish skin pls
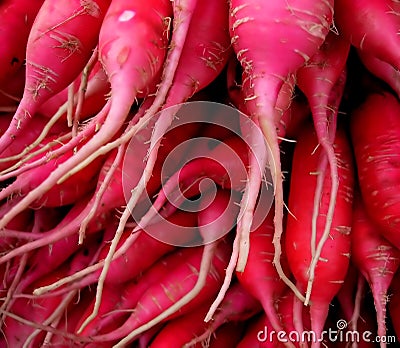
(126, 16)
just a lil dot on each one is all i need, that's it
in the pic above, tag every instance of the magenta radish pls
(376, 258)
(320, 277)
(122, 21)
(291, 35)
(381, 70)
(376, 153)
(64, 194)
(17, 17)
(56, 51)
(238, 305)
(170, 289)
(112, 198)
(322, 81)
(394, 304)
(202, 56)
(225, 165)
(354, 23)
(133, 290)
(95, 95)
(179, 331)
(212, 218)
(259, 277)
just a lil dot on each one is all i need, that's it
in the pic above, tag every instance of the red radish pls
(349, 295)
(56, 51)
(258, 334)
(17, 17)
(377, 149)
(175, 227)
(95, 95)
(203, 55)
(292, 119)
(376, 258)
(291, 34)
(286, 308)
(133, 290)
(228, 335)
(29, 135)
(122, 21)
(394, 304)
(11, 93)
(66, 193)
(238, 305)
(322, 81)
(179, 331)
(170, 289)
(225, 165)
(319, 263)
(19, 223)
(355, 23)
(35, 311)
(213, 217)
(381, 70)
(260, 277)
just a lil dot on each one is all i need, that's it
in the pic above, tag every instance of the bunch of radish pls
(183, 173)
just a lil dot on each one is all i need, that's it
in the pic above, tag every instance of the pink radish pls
(376, 258)
(322, 80)
(238, 305)
(355, 23)
(57, 50)
(178, 283)
(133, 290)
(320, 276)
(17, 17)
(291, 33)
(381, 70)
(259, 277)
(377, 148)
(122, 21)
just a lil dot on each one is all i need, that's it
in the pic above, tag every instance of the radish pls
(256, 334)
(238, 305)
(394, 304)
(179, 331)
(377, 260)
(180, 227)
(381, 70)
(330, 252)
(56, 51)
(112, 199)
(17, 17)
(376, 152)
(291, 34)
(168, 291)
(132, 291)
(259, 276)
(322, 80)
(355, 23)
(202, 56)
(122, 21)
(225, 164)
(213, 217)
(66, 193)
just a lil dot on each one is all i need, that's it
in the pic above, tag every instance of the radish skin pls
(376, 258)
(376, 149)
(333, 262)
(292, 34)
(56, 51)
